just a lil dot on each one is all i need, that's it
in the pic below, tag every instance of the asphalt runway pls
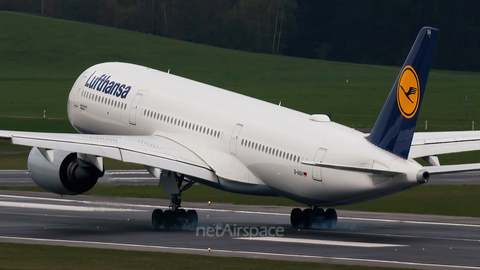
(360, 238)
(111, 177)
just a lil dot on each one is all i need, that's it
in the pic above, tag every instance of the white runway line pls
(233, 252)
(127, 172)
(65, 207)
(319, 242)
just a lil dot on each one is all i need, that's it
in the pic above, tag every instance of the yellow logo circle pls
(408, 92)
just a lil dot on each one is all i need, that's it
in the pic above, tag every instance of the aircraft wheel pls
(330, 218)
(192, 218)
(319, 213)
(296, 217)
(180, 216)
(157, 218)
(169, 219)
(308, 218)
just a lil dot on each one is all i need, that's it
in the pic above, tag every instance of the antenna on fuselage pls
(168, 71)
(280, 104)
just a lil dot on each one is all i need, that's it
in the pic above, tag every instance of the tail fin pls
(394, 128)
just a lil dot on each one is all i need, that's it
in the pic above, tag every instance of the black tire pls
(192, 218)
(180, 218)
(330, 218)
(157, 218)
(168, 219)
(308, 218)
(296, 217)
(319, 213)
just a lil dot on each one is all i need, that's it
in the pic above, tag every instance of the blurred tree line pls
(360, 31)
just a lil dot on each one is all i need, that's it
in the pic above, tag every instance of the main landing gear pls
(313, 217)
(175, 216)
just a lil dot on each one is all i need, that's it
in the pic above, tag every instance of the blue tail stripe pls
(393, 131)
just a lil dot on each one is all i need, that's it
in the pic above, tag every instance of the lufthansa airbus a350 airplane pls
(187, 132)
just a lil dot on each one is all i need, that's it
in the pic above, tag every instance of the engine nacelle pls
(67, 175)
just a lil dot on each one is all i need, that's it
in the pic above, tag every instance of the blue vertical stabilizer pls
(394, 128)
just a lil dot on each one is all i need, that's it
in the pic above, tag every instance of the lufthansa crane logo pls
(408, 92)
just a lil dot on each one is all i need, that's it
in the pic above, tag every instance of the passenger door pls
(317, 171)
(133, 109)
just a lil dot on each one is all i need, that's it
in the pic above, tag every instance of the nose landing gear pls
(176, 216)
(313, 218)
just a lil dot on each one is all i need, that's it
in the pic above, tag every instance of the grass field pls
(21, 256)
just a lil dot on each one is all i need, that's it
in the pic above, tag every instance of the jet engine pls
(62, 172)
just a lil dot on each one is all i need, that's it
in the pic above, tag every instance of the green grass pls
(41, 58)
(451, 200)
(22, 256)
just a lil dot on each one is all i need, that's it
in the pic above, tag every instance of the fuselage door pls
(234, 138)
(133, 108)
(317, 171)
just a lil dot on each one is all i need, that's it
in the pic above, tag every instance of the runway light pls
(128, 219)
(209, 202)
(208, 249)
(97, 227)
(298, 229)
(423, 248)
(208, 215)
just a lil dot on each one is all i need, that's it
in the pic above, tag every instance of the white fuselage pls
(254, 145)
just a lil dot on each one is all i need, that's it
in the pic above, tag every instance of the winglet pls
(394, 128)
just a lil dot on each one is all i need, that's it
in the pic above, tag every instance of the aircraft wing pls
(154, 151)
(426, 144)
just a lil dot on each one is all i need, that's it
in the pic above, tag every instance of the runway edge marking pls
(319, 242)
(41, 240)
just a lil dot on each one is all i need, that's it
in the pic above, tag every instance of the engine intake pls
(65, 176)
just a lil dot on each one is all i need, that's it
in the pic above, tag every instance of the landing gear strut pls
(313, 217)
(176, 216)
